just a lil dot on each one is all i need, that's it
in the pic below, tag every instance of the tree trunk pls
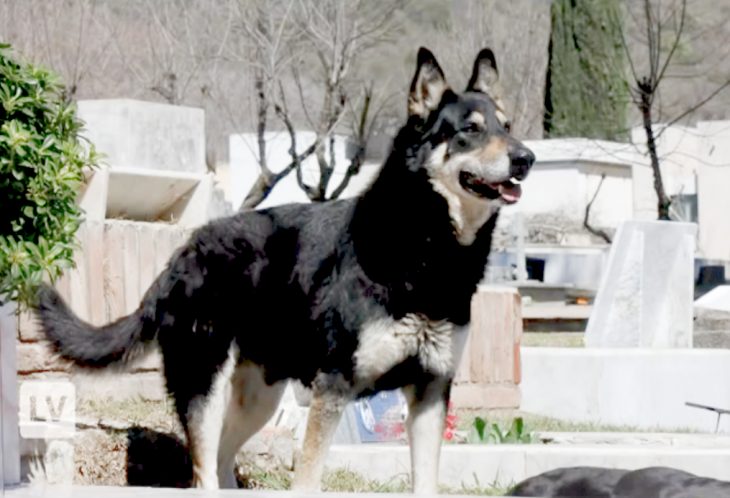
(260, 190)
(663, 201)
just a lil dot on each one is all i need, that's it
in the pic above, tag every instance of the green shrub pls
(42, 163)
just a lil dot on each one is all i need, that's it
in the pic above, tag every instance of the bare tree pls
(64, 35)
(364, 116)
(169, 52)
(663, 29)
(329, 36)
(265, 49)
(587, 215)
(523, 59)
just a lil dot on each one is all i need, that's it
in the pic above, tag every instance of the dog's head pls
(472, 160)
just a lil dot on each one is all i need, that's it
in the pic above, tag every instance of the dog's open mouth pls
(509, 190)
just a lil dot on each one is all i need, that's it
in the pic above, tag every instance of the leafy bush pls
(516, 434)
(42, 163)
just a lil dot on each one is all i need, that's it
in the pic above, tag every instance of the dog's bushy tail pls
(118, 342)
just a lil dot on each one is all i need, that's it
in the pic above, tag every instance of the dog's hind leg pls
(425, 424)
(328, 401)
(204, 424)
(251, 405)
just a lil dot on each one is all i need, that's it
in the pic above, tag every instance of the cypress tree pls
(587, 93)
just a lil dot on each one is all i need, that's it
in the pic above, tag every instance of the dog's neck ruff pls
(386, 342)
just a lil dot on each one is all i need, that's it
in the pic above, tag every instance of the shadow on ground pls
(157, 459)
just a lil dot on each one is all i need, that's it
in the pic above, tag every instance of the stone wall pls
(115, 264)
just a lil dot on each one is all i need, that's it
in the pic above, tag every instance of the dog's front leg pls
(425, 424)
(329, 398)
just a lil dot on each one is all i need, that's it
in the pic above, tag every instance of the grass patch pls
(478, 489)
(157, 414)
(553, 339)
(344, 480)
(347, 481)
(252, 477)
(539, 423)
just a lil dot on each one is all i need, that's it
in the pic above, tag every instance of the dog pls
(350, 297)
(597, 482)
(665, 482)
(578, 482)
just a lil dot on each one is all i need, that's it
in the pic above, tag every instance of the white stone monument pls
(646, 294)
(718, 299)
(153, 162)
(135, 134)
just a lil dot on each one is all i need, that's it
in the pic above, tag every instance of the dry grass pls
(553, 339)
(100, 458)
(344, 480)
(159, 415)
(347, 481)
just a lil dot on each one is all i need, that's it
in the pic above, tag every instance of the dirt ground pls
(141, 443)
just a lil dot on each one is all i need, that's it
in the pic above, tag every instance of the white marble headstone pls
(646, 294)
(717, 299)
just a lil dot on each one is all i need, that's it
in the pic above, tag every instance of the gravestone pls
(712, 319)
(646, 293)
(717, 299)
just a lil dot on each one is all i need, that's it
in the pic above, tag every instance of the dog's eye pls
(508, 126)
(471, 127)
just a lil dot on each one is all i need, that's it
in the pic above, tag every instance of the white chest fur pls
(468, 213)
(384, 343)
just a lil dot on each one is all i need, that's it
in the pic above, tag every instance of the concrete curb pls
(504, 465)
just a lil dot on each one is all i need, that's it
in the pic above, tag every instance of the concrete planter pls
(506, 464)
(639, 387)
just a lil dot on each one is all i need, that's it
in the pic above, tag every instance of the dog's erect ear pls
(428, 85)
(485, 76)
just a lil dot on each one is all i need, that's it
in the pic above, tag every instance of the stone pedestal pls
(9, 436)
(489, 373)
(153, 163)
(646, 293)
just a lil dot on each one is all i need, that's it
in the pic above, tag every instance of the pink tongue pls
(510, 193)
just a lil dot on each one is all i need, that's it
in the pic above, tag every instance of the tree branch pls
(675, 44)
(693, 108)
(586, 218)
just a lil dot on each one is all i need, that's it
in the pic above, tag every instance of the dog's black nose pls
(521, 160)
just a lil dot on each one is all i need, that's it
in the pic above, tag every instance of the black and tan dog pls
(598, 482)
(349, 297)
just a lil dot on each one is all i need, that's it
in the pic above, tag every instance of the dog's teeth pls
(515, 180)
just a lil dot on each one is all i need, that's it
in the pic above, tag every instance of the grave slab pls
(646, 294)
(717, 299)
